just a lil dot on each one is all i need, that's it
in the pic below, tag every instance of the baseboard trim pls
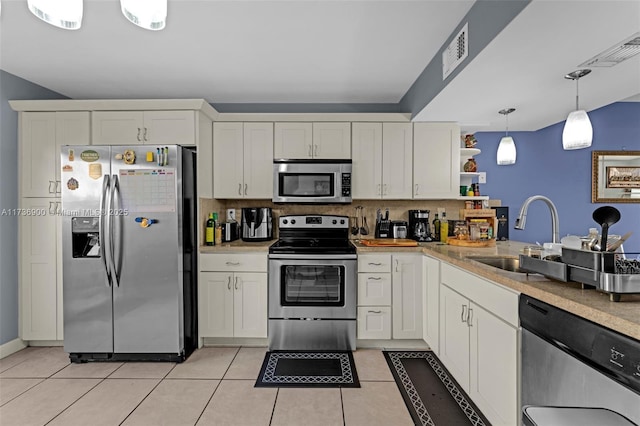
(12, 347)
(234, 341)
(395, 344)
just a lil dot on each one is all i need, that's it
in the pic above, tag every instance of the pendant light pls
(577, 133)
(65, 14)
(507, 148)
(148, 14)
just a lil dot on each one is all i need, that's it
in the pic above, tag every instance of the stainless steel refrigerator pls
(129, 252)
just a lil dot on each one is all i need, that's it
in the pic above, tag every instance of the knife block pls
(383, 229)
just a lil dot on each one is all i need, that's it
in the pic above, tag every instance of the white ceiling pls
(331, 51)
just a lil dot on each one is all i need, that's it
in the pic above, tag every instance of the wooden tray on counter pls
(471, 243)
(389, 242)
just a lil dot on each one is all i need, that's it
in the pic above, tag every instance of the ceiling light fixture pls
(148, 14)
(507, 148)
(65, 14)
(577, 133)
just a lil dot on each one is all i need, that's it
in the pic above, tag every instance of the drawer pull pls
(375, 278)
(375, 263)
(233, 263)
(375, 312)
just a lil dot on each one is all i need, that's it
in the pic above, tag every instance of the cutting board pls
(389, 242)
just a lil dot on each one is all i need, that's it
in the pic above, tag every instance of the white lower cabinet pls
(232, 303)
(389, 296)
(431, 302)
(40, 270)
(479, 342)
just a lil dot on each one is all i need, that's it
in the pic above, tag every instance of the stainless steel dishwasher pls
(576, 372)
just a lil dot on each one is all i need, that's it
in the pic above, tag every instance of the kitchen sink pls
(506, 263)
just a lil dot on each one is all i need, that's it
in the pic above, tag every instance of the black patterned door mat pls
(430, 393)
(329, 369)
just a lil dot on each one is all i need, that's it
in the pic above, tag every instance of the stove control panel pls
(314, 221)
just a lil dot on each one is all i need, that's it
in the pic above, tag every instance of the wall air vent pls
(616, 54)
(456, 52)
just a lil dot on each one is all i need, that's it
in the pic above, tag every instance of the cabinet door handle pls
(51, 208)
(236, 283)
(315, 150)
(379, 190)
(138, 135)
(239, 189)
(229, 282)
(470, 317)
(144, 136)
(375, 263)
(245, 188)
(58, 208)
(233, 263)
(397, 264)
(462, 315)
(375, 312)
(375, 278)
(51, 182)
(385, 189)
(310, 153)
(416, 192)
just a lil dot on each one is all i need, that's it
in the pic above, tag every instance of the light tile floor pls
(214, 386)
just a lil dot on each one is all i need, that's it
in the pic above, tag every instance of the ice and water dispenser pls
(85, 237)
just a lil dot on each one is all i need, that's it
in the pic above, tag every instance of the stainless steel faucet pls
(555, 225)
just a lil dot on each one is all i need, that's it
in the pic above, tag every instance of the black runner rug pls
(308, 369)
(430, 393)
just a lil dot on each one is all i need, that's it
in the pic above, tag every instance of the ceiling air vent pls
(456, 52)
(616, 54)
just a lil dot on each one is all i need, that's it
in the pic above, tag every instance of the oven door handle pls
(313, 256)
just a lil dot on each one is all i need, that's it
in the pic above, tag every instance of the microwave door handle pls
(103, 226)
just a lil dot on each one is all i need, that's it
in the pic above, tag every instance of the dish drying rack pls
(609, 272)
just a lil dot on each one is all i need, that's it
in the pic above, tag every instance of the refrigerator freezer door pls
(147, 302)
(86, 288)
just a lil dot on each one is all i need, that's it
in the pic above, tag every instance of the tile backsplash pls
(398, 209)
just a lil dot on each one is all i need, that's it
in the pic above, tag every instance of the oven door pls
(314, 286)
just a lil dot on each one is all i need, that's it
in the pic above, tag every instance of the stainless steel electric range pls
(312, 285)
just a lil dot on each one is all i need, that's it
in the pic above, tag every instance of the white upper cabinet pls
(312, 140)
(243, 160)
(436, 161)
(366, 152)
(331, 140)
(397, 143)
(381, 156)
(41, 136)
(293, 140)
(144, 127)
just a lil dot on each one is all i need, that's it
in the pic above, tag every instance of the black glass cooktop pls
(312, 246)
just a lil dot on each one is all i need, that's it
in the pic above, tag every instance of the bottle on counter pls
(217, 230)
(444, 228)
(436, 228)
(209, 237)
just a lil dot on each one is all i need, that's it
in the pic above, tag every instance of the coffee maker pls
(257, 224)
(419, 227)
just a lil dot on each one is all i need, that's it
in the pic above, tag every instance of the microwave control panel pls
(346, 184)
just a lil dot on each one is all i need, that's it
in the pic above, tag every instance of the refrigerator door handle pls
(103, 226)
(114, 241)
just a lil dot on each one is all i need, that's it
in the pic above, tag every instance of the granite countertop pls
(622, 316)
(238, 246)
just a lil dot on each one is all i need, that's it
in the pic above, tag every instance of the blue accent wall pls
(11, 88)
(544, 168)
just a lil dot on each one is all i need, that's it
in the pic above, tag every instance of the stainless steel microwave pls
(312, 181)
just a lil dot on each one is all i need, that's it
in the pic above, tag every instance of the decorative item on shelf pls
(470, 166)
(507, 148)
(577, 132)
(470, 141)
